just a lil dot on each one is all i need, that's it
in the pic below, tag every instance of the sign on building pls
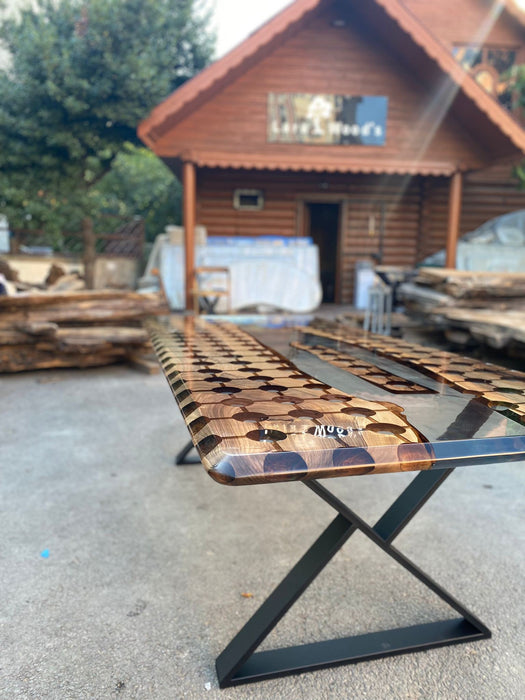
(327, 119)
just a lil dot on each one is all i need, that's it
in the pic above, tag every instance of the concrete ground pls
(122, 576)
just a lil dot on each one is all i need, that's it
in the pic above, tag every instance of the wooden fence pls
(125, 240)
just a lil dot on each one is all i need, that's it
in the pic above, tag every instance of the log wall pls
(465, 21)
(413, 211)
(393, 202)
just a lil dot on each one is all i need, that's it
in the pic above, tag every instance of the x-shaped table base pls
(239, 664)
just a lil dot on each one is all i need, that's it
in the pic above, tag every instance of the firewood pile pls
(57, 280)
(75, 329)
(471, 307)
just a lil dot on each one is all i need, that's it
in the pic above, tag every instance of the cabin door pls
(322, 224)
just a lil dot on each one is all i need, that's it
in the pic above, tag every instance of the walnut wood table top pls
(498, 387)
(257, 417)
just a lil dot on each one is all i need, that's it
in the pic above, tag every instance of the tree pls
(83, 74)
(516, 77)
(139, 184)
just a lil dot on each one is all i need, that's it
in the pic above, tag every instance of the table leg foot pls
(275, 663)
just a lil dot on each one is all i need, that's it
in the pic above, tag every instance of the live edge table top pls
(344, 404)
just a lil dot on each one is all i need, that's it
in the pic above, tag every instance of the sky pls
(235, 19)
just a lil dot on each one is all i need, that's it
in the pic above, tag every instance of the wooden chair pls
(207, 291)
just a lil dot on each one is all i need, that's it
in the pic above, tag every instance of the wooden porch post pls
(189, 216)
(454, 216)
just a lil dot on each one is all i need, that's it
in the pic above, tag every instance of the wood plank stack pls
(471, 307)
(475, 289)
(75, 329)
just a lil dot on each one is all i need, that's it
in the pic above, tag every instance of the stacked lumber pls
(504, 330)
(475, 289)
(75, 329)
(471, 307)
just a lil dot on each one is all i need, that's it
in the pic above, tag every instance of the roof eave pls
(222, 68)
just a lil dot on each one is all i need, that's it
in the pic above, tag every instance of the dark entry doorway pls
(323, 228)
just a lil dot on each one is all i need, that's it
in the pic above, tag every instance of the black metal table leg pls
(279, 602)
(239, 664)
(181, 457)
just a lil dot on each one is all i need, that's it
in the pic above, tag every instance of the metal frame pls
(238, 663)
(182, 456)
(378, 314)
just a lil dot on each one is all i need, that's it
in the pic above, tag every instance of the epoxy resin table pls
(345, 404)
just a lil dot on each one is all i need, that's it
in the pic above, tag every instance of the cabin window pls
(490, 67)
(252, 200)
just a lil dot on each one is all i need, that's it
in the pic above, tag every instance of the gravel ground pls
(123, 576)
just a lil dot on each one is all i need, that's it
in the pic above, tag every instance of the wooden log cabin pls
(366, 125)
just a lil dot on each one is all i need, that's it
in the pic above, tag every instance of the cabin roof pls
(514, 10)
(472, 98)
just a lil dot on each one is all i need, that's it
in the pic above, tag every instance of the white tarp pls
(497, 245)
(275, 272)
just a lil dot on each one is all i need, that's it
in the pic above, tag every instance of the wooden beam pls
(90, 253)
(454, 216)
(189, 182)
